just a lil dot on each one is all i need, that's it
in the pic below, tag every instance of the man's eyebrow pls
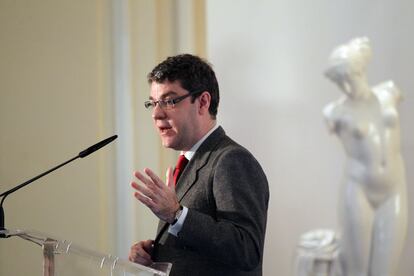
(169, 93)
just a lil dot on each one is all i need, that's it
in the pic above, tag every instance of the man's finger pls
(144, 190)
(145, 200)
(170, 178)
(148, 245)
(156, 180)
(142, 178)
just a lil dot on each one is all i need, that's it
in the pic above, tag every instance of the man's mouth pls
(164, 129)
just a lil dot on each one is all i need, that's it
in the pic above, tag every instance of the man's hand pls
(141, 252)
(156, 195)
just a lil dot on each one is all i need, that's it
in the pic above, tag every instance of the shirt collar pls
(189, 154)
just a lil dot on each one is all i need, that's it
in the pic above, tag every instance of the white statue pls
(373, 206)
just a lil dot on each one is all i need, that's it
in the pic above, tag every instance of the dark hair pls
(194, 75)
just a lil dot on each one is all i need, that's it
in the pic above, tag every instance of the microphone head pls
(1, 218)
(2, 235)
(97, 146)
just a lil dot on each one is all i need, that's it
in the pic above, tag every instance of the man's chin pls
(168, 144)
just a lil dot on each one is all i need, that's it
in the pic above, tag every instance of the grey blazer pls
(227, 194)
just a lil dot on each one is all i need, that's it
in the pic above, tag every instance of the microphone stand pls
(82, 154)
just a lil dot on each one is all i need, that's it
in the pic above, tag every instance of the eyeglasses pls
(168, 104)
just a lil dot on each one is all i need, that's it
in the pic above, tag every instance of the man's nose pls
(158, 113)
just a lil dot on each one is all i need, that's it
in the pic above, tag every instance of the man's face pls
(178, 127)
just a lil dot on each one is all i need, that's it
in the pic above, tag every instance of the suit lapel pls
(200, 159)
(189, 176)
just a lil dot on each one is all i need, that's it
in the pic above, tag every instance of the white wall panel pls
(269, 57)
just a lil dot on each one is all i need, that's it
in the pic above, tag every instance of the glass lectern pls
(63, 258)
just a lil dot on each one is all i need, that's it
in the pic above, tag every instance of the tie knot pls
(181, 163)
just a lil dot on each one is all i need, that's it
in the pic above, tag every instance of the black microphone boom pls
(97, 146)
(81, 154)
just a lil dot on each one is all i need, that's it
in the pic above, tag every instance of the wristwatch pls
(177, 215)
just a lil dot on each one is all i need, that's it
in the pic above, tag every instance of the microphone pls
(97, 146)
(81, 154)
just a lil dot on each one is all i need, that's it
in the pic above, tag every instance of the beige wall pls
(72, 73)
(156, 29)
(55, 101)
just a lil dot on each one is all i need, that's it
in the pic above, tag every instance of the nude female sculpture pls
(373, 206)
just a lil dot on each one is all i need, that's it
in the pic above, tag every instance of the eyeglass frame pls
(170, 103)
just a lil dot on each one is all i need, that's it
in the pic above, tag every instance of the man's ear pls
(204, 102)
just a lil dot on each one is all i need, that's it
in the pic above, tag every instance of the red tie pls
(179, 168)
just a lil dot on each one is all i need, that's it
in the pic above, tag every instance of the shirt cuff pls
(176, 228)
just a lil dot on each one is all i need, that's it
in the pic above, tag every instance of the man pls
(213, 220)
